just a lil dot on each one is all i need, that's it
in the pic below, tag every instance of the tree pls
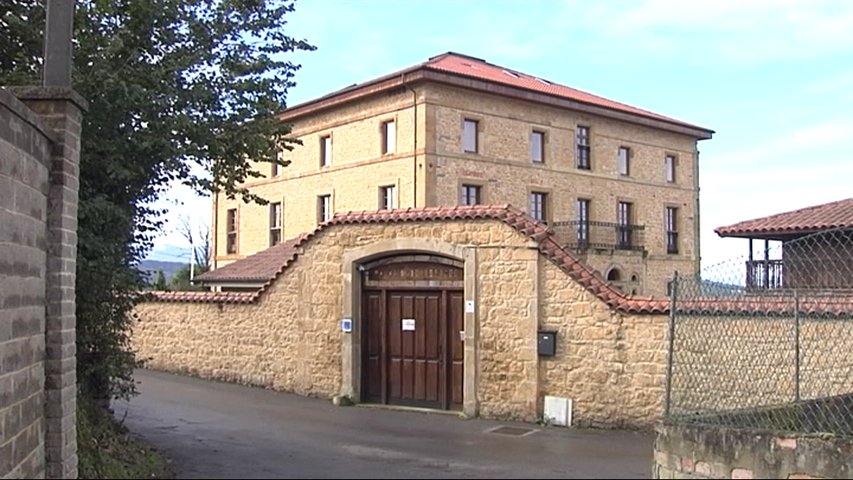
(199, 243)
(159, 281)
(181, 279)
(170, 84)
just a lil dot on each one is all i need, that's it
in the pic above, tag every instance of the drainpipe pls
(214, 232)
(415, 147)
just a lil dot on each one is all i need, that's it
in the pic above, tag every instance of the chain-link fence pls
(767, 343)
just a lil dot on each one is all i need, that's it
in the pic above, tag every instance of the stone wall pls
(431, 172)
(39, 152)
(683, 451)
(736, 362)
(358, 169)
(289, 339)
(506, 174)
(612, 365)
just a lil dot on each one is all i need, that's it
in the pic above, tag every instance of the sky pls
(773, 78)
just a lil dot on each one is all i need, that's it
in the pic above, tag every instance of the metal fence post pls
(796, 346)
(673, 293)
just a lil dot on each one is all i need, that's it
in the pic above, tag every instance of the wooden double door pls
(412, 346)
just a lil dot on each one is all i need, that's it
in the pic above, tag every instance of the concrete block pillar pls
(61, 109)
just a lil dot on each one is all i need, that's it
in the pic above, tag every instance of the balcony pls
(581, 236)
(764, 274)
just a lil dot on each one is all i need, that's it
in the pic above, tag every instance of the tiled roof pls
(265, 266)
(204, 297)
(805, 220)
(477, 68)
(474, 68)
(257, 268)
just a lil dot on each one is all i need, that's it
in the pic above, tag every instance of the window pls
(582, 139)
(388, 197)
(469, 195)
(669, 161)
(623, 225)
(583, 221)
(624, 159)
(671, 222)
(469, 136)
(389, 137)
(324, 208)
(325, 151)
(231, 232)
(537, 146)
(275, 170)
(275, 223)
(537, 206)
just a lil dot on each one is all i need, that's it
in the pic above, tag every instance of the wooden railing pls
(764, 274)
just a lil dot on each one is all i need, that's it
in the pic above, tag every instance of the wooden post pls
(57, 43)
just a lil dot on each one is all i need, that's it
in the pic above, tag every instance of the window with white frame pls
(469, 195)
(469, 136)
(389, 137)
(582, 140)
(537, 146)
(624, 160)
(231, 231)
(583, 221)
(324, 208)
(669, 163)
(388, 197)
(325, 150)
(671, 222)
(538, 201)
(275, 223)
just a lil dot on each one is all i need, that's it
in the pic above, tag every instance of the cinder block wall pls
(39, 154)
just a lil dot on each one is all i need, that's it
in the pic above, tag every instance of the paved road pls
(217, 430)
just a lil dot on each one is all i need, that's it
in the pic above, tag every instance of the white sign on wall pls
(408, 324)
(469, 306)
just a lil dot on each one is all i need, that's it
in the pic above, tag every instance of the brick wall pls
(39, 151)
(683, 451)
(610, 363)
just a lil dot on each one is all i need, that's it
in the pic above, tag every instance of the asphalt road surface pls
(218, 430)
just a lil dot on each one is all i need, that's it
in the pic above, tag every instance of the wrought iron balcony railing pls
(582, 235)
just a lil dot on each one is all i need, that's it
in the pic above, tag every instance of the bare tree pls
(199, 241)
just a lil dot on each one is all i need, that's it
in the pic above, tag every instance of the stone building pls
(618, 185)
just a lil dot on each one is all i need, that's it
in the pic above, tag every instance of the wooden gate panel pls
(372, 319)
(456, 324)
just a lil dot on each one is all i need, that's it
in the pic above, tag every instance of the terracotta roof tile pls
(805, 220)
(267, 265)
(204, 297)
(259, 267)
(477, 68)
(473, 68)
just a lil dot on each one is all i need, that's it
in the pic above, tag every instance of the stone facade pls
(429, 167)
(610, 362)
(698, 452)
(39, 153)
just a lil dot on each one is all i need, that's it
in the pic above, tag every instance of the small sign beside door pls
(408, 324)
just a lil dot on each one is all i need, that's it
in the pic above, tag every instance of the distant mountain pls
(152, 266)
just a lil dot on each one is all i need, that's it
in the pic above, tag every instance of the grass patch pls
(106, 449)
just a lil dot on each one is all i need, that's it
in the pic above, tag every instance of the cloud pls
(706, 31)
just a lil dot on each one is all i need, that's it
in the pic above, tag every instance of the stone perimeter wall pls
(711, 452)
(611, 364)
(39, 154)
